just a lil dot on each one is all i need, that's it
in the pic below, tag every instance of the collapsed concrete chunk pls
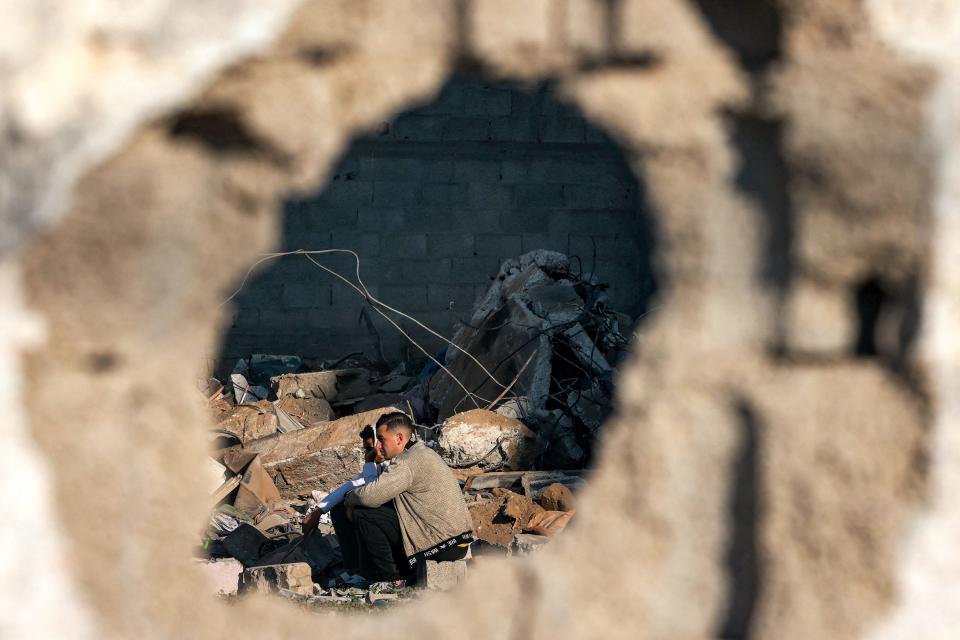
(322, 456)
(251, 421)
(222, 576)
(487, 440)
(585, 349)
(502, 343)
(334, 386)
(294, 576)
(306, 410)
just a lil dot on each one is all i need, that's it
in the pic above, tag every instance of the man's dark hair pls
(367, 433)
(395, 420)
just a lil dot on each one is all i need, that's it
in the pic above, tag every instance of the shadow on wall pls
(433, 202)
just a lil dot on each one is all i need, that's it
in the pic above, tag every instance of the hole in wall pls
(871, 300)
(490, 195)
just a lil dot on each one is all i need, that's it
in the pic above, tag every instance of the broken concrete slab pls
(501, 342)
(336, 385)
(251, 421)
(257, 490)
(322, 456)
(486, 439)
(307, 410)
(221, 576)
(586, 350)
(294, 576)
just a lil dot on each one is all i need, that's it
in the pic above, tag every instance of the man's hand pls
(311, 521)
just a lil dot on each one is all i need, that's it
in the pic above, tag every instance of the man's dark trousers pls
(372, 543)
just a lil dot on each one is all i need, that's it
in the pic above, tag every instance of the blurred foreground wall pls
(786, 438)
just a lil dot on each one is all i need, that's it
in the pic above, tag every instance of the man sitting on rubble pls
(414, 511)
(373, 465)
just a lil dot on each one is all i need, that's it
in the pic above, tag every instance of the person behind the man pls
(414, 511)
(373, 466)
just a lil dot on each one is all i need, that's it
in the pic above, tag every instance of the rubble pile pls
(542, 345)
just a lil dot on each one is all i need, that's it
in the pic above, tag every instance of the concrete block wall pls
(433, 202)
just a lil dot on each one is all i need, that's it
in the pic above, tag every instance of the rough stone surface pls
(322, 456)
(294, 576)
(696, 496)
(486, 439)
(222, 576)
(558, 497)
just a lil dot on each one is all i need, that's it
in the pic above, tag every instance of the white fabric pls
(371, 471)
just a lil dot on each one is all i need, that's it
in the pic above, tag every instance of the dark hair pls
(395, 420)
(367, 433)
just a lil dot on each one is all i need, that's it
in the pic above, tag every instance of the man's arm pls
(391, 483)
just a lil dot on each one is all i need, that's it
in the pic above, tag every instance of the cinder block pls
(475, 220)
(514, 171)
(441, 576)
(437, 171)
(380, 219)
(341, 193)
(409, 245)
(245, 318)
(538, 195)
(365, 244)
(584, 196)
(512, 129)
(572, 171)
(587, 221)
(562, 130)
(427, 217)
(527, 220)
(418, 127)
(294, 576)
(473, 269)
(498, 245)
(305, 237)
(405, 297)
(487, 101)
(451, 244)
(552, 242)
(483, 171)
(305, 296)
(394, 193)
(491, 196)
(425, 270)
(466, 129)
(443, 193)
(441, 295)
(386, 168)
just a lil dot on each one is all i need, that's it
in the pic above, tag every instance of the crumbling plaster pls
(129, 284)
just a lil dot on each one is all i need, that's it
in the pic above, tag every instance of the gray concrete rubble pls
(486, 440)
(268, 475)
(540, 347)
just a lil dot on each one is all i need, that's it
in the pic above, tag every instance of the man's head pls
(371, 448)
(394, 431)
